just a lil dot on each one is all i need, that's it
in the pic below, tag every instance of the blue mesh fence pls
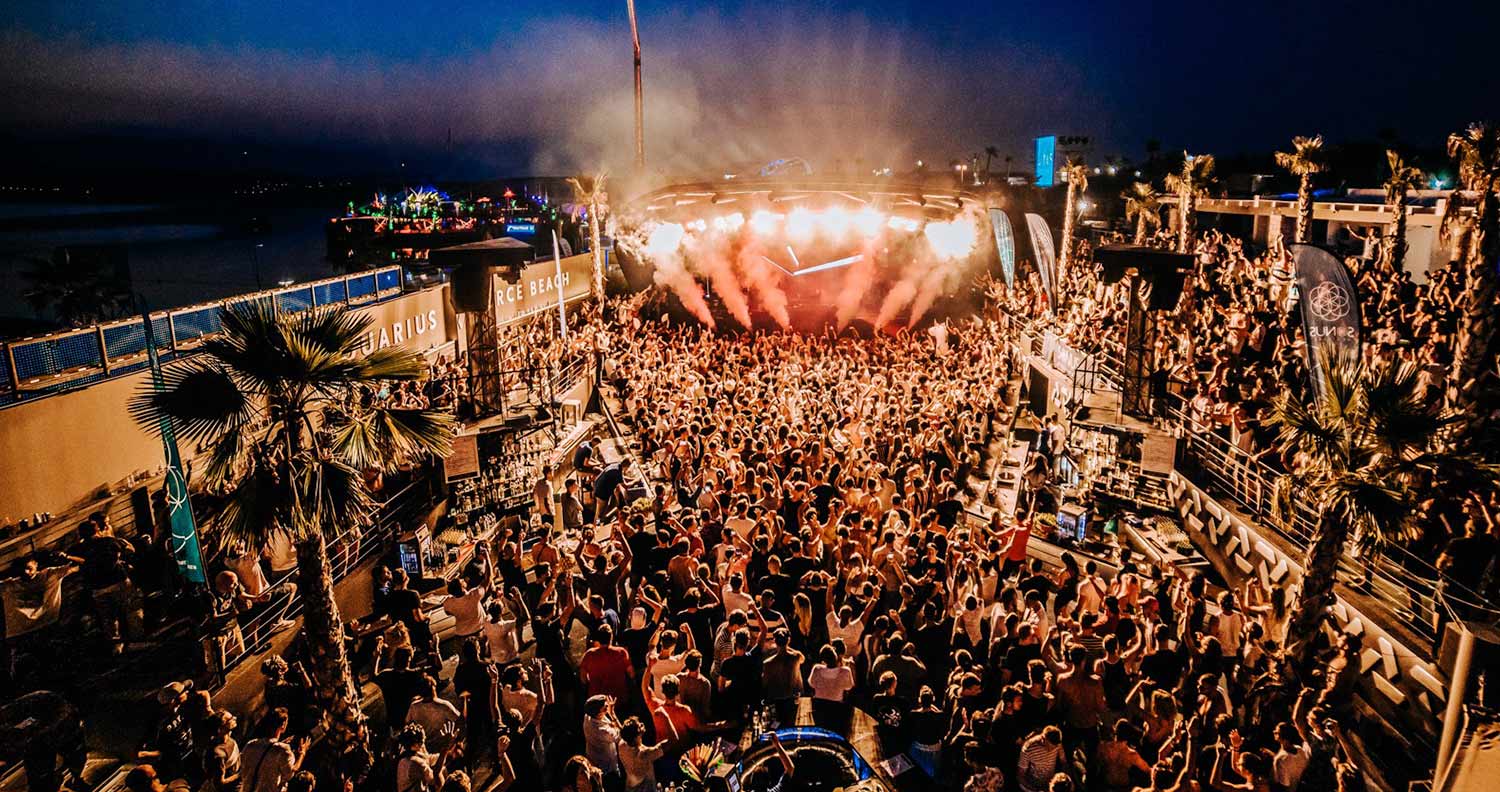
(127, 339)
(191, 326)
(388, 279)
(329, 293)
(49, 356)
(79, 354)
(130, 339)
(294, 301)
(361, 288)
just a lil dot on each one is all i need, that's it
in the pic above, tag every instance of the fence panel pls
(361, 288)
(45, 357)
(388, 280)
(294, 301)
(330, 293)
(193, 325)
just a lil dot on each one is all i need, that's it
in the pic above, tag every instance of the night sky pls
(540, 87)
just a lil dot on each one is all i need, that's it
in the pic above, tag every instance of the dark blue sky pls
(545, 87)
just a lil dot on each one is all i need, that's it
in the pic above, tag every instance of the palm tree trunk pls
(1140, 228)
(1304, 208)
(1474, 361)
(333, 678)
(1396, 245)
(1069, 219)
(1319, 573)
(1189, 211)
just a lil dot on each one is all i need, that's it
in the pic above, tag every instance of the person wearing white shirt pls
(466, 606)
(500, 635)
(829, 679)
(439, 719)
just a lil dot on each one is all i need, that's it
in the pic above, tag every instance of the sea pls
(174, 255)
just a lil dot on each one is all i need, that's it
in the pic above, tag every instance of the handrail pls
(346, 551)
(1252, 484)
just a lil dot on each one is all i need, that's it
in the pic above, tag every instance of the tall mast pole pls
(640, 130)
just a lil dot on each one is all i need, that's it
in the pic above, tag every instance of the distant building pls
(1358, 216)
(1052, 153)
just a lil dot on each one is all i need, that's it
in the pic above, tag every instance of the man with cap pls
(170, 748)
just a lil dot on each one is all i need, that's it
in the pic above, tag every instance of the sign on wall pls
(418, 322)
(537, 290)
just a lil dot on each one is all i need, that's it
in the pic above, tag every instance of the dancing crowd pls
(797, 521)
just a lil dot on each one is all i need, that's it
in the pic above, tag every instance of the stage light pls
(729, 223)
(835, 222)
(868, 221)
(906, 224)
(800, 224)
(952, 239)
(764, 222)
(698, 225)
(664, 240)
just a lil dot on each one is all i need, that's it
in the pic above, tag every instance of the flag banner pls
(1046, 259)
(1005, 245)
(1330, 309)
(184, 531)
(32, 603)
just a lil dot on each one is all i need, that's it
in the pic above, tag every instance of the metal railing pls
(41, 366)
(346, 552)
(1398, 581)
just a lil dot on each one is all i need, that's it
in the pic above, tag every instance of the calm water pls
(172, 264)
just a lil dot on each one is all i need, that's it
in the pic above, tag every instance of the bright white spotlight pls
(800, 224)
(664, 240)
(906, 224)
(729, 223)
(698, 225)
(953, 239)
(835, 221)
(867, 222)
(764, 222)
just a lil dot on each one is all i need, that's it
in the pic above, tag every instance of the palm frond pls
(333, 497)
(256, 505)
(1380, 513)
(1301, 428)
(200, 398)
(333, 328)
(391, 363)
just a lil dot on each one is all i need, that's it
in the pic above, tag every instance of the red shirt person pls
(606, 669)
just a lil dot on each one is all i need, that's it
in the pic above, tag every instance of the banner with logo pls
(184, 531)
(1005, 244)
(1046, 258)
(1330, 309)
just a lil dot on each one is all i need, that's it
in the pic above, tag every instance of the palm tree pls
(1141, 203)
(1078, 181)
(1305, 159)
(597, 201)
(78, 290)
(284, 404)
(1403, 178)
(1368, 435)
(990, 153)
(1478, 155)
(1477, 150)
(1190, 183)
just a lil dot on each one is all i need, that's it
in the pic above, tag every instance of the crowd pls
(795, 524)
(1234, 344)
